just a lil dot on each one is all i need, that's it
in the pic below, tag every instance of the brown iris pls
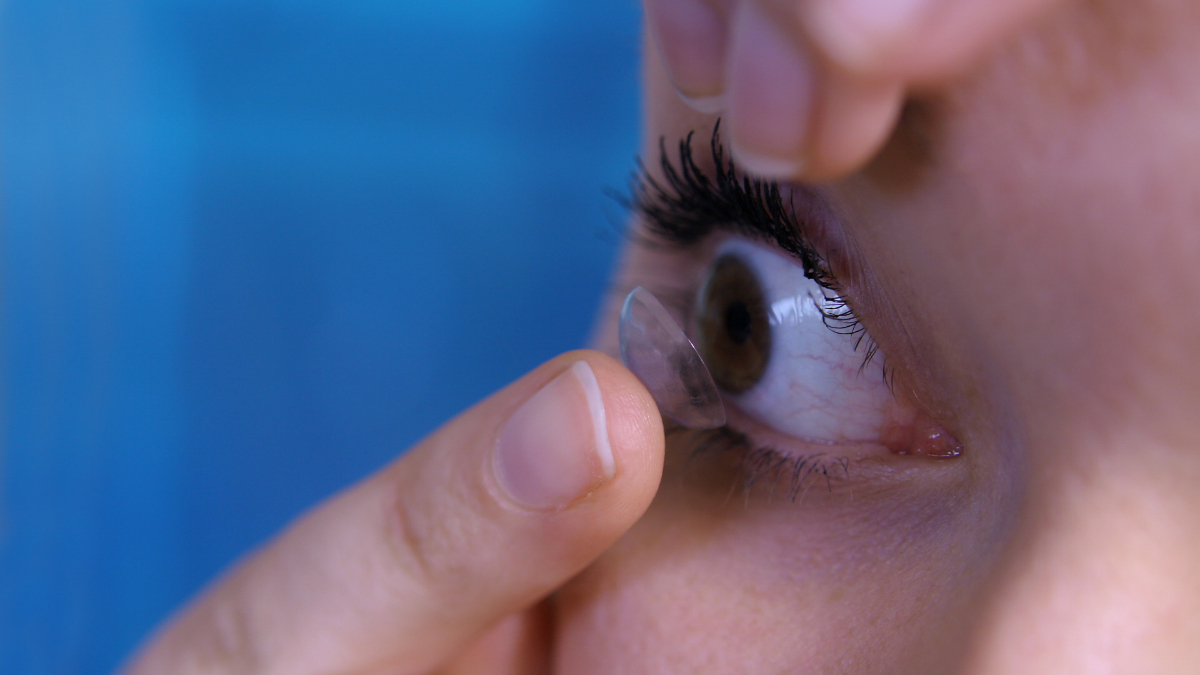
(733, 334)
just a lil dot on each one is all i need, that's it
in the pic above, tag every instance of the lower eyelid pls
(746, 466)
(729, 463)
(764, 457)
(904, 430)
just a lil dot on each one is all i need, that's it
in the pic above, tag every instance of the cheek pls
(706, 583)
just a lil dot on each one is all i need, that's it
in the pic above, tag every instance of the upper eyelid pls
(687, 205)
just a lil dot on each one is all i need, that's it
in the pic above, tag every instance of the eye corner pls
(922, 437)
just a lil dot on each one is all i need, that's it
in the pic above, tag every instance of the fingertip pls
(765, 166)
(772, 89)
(575, 533)
(585, 434)
(854, 120)
(635, 427)
(706, 105)
(861, 35)
(690, 36)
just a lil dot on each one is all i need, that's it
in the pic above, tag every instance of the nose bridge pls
(1103, 575)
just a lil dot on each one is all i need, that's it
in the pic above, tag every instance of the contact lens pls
(664, 359)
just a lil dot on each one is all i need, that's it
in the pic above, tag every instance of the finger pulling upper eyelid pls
(691, 37)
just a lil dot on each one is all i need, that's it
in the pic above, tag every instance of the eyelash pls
(757, 464)
(681, 211)
(690, 206)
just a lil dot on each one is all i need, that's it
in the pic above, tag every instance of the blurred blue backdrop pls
(252, 249)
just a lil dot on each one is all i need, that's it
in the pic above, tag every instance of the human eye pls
(774, 342)
(804, 384)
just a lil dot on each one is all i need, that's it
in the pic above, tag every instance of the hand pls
(403, 572)
(810, 89)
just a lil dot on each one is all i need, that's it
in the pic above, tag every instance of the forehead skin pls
(1028, 244)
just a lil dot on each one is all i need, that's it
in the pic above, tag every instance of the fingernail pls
(770, 96)
(759, 165)
(691, 38)
(859, 33)
(709, 105)
(554, 449)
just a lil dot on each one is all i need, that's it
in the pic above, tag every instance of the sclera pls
(818, 385)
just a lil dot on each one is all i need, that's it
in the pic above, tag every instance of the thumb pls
(481, 519)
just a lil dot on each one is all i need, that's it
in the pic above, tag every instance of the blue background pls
(251, 250)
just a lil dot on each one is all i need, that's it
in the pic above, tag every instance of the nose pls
(1103, 575)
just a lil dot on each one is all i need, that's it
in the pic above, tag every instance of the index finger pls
(483, 518)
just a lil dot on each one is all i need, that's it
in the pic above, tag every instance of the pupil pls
(738, 322)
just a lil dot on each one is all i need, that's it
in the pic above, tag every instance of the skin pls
(403, 571)
(810, 89)
(1023, 250)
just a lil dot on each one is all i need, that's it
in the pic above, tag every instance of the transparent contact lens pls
(664, 359)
